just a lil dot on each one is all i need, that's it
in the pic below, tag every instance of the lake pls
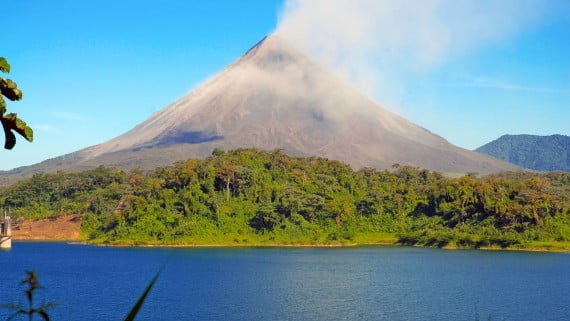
(353, 283)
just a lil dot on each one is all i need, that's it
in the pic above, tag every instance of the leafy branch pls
(10, 122)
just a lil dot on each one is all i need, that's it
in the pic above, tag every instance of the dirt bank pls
(61, 228)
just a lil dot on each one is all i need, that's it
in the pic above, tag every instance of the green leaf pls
(135, 310)
(2, 106)
(10, 89)
(20, 126)
(4, 65)
(23, 129)
(28, 133)
(11, 122)
(11, 84)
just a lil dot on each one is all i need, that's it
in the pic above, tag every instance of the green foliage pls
(11, 122)
(256, 197)
(543, 153)
(453, 238)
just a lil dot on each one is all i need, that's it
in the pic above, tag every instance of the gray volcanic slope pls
(274, 97)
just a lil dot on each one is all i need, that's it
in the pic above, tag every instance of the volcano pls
(275, 97)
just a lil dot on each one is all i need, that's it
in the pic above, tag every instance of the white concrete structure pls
(5, 232)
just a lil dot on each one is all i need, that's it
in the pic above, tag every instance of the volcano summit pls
(275, 97)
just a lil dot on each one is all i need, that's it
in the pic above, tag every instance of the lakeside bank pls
(68, 229)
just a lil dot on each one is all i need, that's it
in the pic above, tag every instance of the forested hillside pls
(249, 196)
(542, 153)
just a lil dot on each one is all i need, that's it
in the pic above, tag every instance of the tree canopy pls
(252, 196)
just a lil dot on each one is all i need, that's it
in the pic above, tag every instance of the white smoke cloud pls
(373, 42)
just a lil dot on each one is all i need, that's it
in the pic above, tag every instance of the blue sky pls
(91, 70)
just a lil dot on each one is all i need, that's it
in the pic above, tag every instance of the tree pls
(11, 122)
(226, 172)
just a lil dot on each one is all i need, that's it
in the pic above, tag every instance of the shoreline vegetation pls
(564, 248)
(380, 239)
(547, 247)
(249, 197)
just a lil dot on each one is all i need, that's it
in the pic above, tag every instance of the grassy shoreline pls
(384, 239)
(555, 247)
(359, 239)
(294, 245)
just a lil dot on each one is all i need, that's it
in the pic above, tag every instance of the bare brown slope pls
(274, 97)
(65, 227)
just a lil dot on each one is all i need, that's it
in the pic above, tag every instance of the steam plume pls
(373, 42)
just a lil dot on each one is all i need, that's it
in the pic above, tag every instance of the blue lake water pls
(357, 283)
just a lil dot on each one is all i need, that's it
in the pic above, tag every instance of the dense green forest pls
(248, 196)
(542, 153)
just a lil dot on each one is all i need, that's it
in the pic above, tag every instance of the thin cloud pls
(505, 85)
(47, 128)
(72, 116)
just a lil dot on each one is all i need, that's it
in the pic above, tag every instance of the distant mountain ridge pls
(275, 97)
(543, 153)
